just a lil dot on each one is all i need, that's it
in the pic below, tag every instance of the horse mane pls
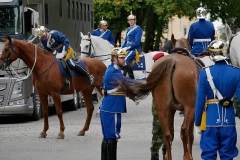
(100, 42)
(168, 47)
(32, 44)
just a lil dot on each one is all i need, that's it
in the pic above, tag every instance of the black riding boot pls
(104, 150)
(85, 72)
(112, 150)
(163, 151)
(128, 69)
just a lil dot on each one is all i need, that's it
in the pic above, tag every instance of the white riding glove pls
(125, 48)
(61, 55)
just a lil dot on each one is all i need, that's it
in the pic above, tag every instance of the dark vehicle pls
(19, 19)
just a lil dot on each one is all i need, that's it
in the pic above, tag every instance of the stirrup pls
(91, 79)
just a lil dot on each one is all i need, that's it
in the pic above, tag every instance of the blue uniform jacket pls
(113, 103)
(56, 39)
(201, 29)
(107, 36)
(133, 39)
(226, 79)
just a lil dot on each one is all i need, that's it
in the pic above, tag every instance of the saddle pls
(198, 61)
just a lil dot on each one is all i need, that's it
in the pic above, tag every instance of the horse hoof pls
(42, 136)
(60, 137)
(97, 114)
(81, 134)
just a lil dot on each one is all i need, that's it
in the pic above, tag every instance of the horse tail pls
(135, 89)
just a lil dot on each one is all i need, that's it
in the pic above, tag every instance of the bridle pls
(6, 61)
(90, 53)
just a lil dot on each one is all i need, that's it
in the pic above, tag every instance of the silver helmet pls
(218, 50)
(41, 30)
(131, 16)
(201, 12)
(103, 22)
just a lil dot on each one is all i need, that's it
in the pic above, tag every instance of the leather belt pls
(56, 48)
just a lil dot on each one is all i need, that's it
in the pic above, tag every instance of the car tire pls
(37, 107)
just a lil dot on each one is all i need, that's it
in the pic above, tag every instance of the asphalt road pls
(19, 137)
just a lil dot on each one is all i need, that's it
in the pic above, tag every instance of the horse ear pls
(172, 37)
(228, 32)
(81, 34)
(9, 38)
(89, 34)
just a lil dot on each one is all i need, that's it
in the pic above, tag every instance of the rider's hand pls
(61, 55)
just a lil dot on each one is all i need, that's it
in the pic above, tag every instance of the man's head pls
(218, 50)
(118, 56)
(131, 19)
(103, 24)
(42, 32)
(201, 12)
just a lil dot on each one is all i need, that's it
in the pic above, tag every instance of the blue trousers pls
(130, 56)
(111, 125)
(221, 139)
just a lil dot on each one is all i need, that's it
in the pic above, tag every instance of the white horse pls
(94, 46)
(234, 47)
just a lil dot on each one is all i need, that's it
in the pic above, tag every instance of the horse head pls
(86, 45)
(94, 46)
(9, 53)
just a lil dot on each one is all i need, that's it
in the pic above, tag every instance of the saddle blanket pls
(140, 66)
(66, 73)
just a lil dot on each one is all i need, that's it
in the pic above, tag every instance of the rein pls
(30, 72)
(90, 49)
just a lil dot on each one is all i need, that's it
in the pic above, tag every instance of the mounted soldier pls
(201, 33)
(132, 44)
(57, 43)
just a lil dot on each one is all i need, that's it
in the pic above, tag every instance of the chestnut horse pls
(48, 80)
(173, 83)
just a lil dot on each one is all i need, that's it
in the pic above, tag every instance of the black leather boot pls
(112, 150)
(164, 151)
(104, 150)
(85, 72)
(128, 69)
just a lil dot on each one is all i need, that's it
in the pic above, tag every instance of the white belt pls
(112, 90)
(202, 40)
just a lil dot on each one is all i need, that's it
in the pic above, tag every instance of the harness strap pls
(210, 80)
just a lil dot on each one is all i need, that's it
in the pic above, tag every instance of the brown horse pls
(173, 83)
(48, 80)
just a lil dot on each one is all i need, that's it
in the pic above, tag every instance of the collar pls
(133, 26)
(116, 66)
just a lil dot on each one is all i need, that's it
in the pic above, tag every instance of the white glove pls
(55, 52)
(198, 130)
(125, 48)
(61, 55)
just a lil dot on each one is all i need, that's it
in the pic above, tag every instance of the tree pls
(152, 15)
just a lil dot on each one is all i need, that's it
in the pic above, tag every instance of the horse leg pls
(167, 129)
(187, 133)
(58, 106)
(44, 102)
(89, 106)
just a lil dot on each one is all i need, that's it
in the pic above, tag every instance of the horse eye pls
(6, 49)
(87, 46)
